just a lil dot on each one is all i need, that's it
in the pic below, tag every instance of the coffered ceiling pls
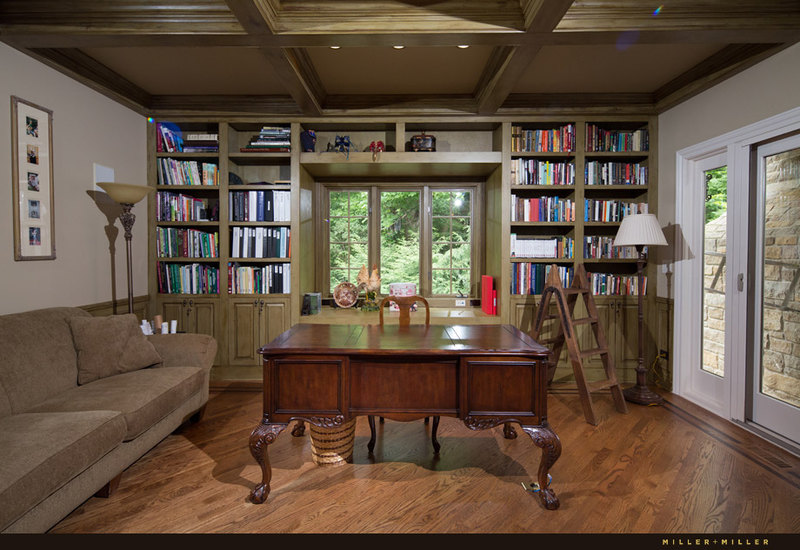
(244, 57)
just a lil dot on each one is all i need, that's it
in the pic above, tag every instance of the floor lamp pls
(126, 194)
(640, 230)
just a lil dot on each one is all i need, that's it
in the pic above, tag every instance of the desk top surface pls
(414, 339)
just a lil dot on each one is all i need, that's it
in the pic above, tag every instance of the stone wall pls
(714, 271)
(781, 316)
(781, 285)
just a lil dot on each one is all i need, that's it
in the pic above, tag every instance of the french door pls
(774, 358)
(737, 277)
(703, 297)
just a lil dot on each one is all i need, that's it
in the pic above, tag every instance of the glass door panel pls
(776, 399)
(714, 270)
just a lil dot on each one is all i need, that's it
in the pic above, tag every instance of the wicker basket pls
(333, 446)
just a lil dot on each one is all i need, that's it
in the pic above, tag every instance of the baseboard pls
(235, 385)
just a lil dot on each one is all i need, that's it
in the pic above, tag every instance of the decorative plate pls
(345, 294)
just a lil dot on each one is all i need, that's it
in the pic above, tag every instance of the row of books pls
(615, 173)
(529, 278)
(542, 209)
(187, 172)
(527, 171)
(177, 207)
(275, 139)
(268, 279)
(610, 284)
(170, 139)
(610, 210)
(601, 140)
(178, 242)
(555, 247)
(261, 242)
(603, 247)
(260, 206)
(556, 140)
(201, 142)
(187, 278)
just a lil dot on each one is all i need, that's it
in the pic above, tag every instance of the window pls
(424, 234)
(450, 234)
(349, 235)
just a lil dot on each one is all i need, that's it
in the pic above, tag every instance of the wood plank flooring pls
(664, 469)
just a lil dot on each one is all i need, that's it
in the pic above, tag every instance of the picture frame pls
(32, 181)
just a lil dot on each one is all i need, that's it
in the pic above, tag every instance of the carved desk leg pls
(548, 441)
(263, 434)
(299, 429)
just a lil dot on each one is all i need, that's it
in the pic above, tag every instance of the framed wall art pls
(32, 180)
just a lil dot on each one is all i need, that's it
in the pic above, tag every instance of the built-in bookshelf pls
(186, 209)
(572, 182)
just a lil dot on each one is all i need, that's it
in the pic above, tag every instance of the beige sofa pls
(81, 399)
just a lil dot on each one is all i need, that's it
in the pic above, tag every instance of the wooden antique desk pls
(486, 375)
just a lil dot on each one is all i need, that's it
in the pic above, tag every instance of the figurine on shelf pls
(371, 285)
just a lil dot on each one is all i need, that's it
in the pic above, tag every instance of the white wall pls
(88, 128)
(764, 90)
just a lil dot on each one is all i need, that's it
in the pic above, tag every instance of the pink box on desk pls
(402, 289)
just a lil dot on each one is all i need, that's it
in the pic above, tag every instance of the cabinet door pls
(193, 316)
(626, 338)
(173, 310)
(243, 332)
(274, 320)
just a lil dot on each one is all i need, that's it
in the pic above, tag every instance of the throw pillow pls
(110, 345)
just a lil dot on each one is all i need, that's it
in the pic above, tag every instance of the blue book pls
(260, 209)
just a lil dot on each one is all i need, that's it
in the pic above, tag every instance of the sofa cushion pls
(38, 359)
(143, 397)
(41, 452)
(110, 345)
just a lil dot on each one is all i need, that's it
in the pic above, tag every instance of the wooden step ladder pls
(566, 298)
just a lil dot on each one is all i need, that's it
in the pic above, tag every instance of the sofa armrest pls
(185, 349)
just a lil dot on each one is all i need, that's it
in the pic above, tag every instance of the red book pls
(494, 302)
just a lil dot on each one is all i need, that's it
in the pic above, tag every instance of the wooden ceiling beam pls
(54, 38)
(507, 65)
(96, 76)
(292, 68)
(719, 67)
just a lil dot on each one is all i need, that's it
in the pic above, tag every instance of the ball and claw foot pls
(260, 493)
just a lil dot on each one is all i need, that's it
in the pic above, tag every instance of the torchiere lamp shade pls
(640, 230)
(125, 193)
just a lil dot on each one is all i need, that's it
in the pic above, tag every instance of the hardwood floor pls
(663, 469)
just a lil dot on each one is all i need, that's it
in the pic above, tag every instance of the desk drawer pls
(417, 384)
(504, 386)
(306, 384)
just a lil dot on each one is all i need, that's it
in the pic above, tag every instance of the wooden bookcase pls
(475, 149)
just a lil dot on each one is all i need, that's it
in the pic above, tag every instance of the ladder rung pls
(573, 290)
(601, 385)
(594, 351)
(550, 317)
(584, 320)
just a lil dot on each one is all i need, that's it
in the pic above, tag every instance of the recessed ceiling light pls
(398, 47)
(335, 47)
(463, 46)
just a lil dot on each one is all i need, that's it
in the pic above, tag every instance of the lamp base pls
(642, 395)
